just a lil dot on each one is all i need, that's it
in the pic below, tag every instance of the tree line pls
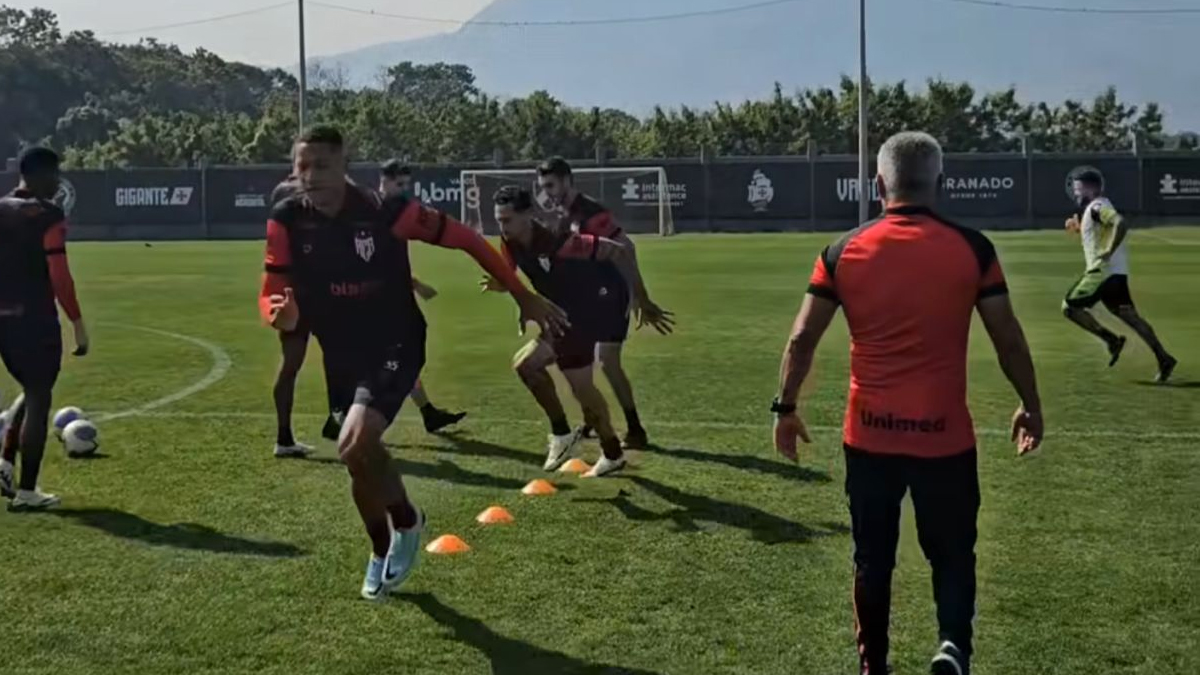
(151, 104)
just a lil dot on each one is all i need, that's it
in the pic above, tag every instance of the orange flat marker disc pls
(538, 488)
(494, 515)
(447, 544)
(575, 465)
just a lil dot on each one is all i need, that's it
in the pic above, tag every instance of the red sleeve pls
(601, 225)
(821, 284)
(277, 267)
(54, 242)
(422, 223)
(580, 246)
(992, 282)
(508, 256)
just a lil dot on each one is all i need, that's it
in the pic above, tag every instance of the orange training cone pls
(575, 465)
(447, 544)
(494, 515)
(539, 487)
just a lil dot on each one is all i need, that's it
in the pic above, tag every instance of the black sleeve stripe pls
(833, 253)
(823, 292)
(595, 247)
(441, 229)
(981, 246)
(277, 269)
(993, 290)
(55, 251)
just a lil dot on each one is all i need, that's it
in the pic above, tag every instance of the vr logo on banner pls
(154, 196)
(760, 193)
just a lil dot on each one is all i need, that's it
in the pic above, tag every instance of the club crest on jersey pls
(364, 245)
(544, 261)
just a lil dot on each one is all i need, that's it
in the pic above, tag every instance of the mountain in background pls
(808, 43)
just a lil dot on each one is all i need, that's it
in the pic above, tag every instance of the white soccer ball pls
(81, 438)
(64, 417)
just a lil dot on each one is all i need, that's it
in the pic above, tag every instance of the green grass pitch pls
(188, 549)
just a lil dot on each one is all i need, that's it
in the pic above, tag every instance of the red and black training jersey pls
(562, 266)
(588, 216)
(350, 273)
(33, 266)
(908, 284)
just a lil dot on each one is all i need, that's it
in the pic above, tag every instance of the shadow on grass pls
(445, 470)
(745, 462)
(461, 445)
(190, 536)
(509, 656)
(691, 508)
(1169, 384)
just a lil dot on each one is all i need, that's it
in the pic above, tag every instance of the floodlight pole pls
(303, 106)
(864, 187)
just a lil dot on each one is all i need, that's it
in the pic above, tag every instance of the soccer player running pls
(1106, 279)
(587, 216)
(33, 274)
(908, 284)
(338, 256)
(566, 267)
(395, 178)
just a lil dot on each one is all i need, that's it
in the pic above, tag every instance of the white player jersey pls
(1096, 230)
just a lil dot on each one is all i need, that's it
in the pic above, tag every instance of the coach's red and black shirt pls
(351, 274)
(33, 258)
(908, 284)
(562, 266)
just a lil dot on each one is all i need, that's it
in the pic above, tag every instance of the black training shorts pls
(31, 348)
(612, 313)
(379, 377)
(1093, 287)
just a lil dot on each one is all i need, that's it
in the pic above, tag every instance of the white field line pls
(221, 363)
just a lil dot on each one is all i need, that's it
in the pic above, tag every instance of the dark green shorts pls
(1093, 287)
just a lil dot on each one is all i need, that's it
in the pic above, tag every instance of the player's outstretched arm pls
(1012, 349)
(624, 257)
(54, 242)
(276, 304)
(810, 325)
(421, 223)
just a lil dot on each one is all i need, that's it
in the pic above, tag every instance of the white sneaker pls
(560, 449)
(403, 555)
(33, 500)
(294, 450)
(372, 588)
(605, 467)
(6, 481)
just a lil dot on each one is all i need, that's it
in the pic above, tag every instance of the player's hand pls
(1027, 431)
(82, 341)
(1072, 224)
(650, 314)
(492, 284)
(424, 291)
(548, 316)
(788, 428)
(285, 314)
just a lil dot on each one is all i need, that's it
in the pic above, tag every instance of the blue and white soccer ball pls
(64, 417)
(81, 438)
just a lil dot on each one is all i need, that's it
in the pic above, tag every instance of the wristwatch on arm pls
(780, 408)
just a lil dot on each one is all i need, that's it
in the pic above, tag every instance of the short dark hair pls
(38, 160)
(324, 134)
(517, 197)
(555, 166)
(1091, 178)
(394, 168)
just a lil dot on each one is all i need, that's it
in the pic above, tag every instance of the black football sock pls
(428, 409)
(632, 420)
(285, 437)
(559, 426)
(611, 447)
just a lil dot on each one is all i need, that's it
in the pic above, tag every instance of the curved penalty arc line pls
(221, 363)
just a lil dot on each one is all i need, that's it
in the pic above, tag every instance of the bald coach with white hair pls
(908, 284)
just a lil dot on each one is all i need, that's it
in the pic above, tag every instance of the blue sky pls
(267, 38)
